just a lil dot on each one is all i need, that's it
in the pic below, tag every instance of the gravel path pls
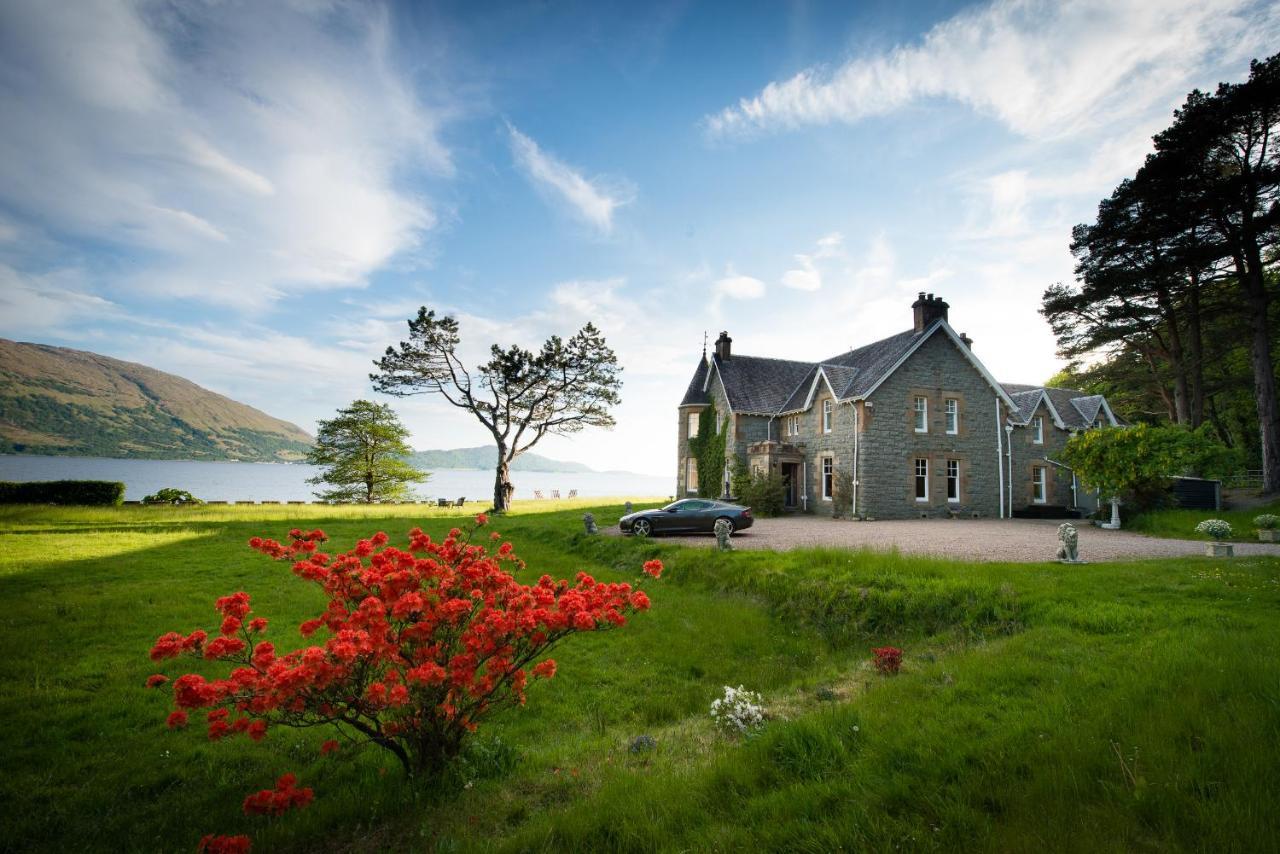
(1017, 540)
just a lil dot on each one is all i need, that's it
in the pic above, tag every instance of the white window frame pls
(694, 417)
(921, 404)
(1039, 485)
(953, 477)
(828, 477)
(691, 475)
(951, 406)
(1037, 427)
(921, 476)
(827, 407)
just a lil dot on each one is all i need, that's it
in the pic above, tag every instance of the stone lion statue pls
(724, 528)
(1068, 537)
(589, 521)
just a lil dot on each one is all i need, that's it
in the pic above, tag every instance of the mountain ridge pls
(60, 401)
(485, 458)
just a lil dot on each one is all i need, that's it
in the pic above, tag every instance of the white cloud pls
(808, 277)
(739, 287)
(242, 165)
(1043, 68)
(805, 278)
(592, 201)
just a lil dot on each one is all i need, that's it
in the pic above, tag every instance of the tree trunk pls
(1176, 359)
(1264, 377)
(368, 490)
(502, 487)
(1196, 344)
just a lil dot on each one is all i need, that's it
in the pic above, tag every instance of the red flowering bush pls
(421, 644)
(887, 660)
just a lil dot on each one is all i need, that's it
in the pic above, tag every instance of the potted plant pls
(1216, 530)
(1266, 525)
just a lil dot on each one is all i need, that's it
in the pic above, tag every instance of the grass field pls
(1107, 707)
(1181, 524)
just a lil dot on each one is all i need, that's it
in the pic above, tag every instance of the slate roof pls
(761, 386)
(696, 394)
(758, 385)
(873, 361)
(1077, 409)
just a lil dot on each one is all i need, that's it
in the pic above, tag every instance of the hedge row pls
(62, 492)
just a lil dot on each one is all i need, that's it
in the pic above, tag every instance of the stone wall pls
(1027, 455)
(889, 444)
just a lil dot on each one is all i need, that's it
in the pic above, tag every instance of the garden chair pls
(537, 494)
(555, 493)
(461, 501)
(442, 502)
(573, 493)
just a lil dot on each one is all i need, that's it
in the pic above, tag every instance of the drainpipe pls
(1008, 435)
(999, 457)
(857, 427)
(804, 485)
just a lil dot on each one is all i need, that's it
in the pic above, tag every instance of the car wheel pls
(642, 527)
(732, 527)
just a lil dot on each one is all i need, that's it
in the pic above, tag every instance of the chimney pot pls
(723, 346)
(927, 309)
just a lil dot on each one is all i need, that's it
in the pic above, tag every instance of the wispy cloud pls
(808, 277)
(593, 201)
(1042, 67)
(736, 286)
(240, 166)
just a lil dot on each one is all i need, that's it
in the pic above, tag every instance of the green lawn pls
(1181, 524)
(1106, 707)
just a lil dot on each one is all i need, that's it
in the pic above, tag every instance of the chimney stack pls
(723, 346)
(968, 342)
(927, 309)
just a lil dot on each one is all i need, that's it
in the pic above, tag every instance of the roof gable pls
(918, 341)
(759, 386)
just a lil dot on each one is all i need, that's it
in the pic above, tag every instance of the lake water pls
(288, 482)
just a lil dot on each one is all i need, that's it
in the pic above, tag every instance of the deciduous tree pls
(518, 395)
(363, 450)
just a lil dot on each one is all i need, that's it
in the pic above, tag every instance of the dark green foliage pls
(842, 499)
(1176, 280)
(764, 492)
(81, 492)
(708, 449)
(363, 451)
(170, 495)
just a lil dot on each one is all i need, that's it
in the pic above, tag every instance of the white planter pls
(1268, 535)
(1219, 550)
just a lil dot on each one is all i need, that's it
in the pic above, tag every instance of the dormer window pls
(826, 415)
(1037, 430)
(922, 414)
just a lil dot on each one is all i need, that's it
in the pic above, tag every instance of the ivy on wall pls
(708, 449)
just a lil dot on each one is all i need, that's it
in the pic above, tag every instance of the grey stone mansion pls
(912, 425)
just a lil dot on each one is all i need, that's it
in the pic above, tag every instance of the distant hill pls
(62, 402)
(486, 457)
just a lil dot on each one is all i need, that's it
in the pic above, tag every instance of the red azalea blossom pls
(284, 797)
(887, 659)
(211, 844)
(155, 680)
(421, 644)
(482, 519)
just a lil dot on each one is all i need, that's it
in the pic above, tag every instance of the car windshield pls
(675, 505)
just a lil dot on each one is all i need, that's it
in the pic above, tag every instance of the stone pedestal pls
(1268, 535)
(1219, 550)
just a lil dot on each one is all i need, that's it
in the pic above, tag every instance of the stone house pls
(911, 425)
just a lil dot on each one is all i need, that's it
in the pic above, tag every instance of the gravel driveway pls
(1018, 540)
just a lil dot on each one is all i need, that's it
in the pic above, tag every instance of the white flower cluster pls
(739, 711)
(1215, 529)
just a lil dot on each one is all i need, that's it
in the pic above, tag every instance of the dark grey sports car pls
(688, 514)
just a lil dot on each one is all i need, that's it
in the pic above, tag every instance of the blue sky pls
(256, 195)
